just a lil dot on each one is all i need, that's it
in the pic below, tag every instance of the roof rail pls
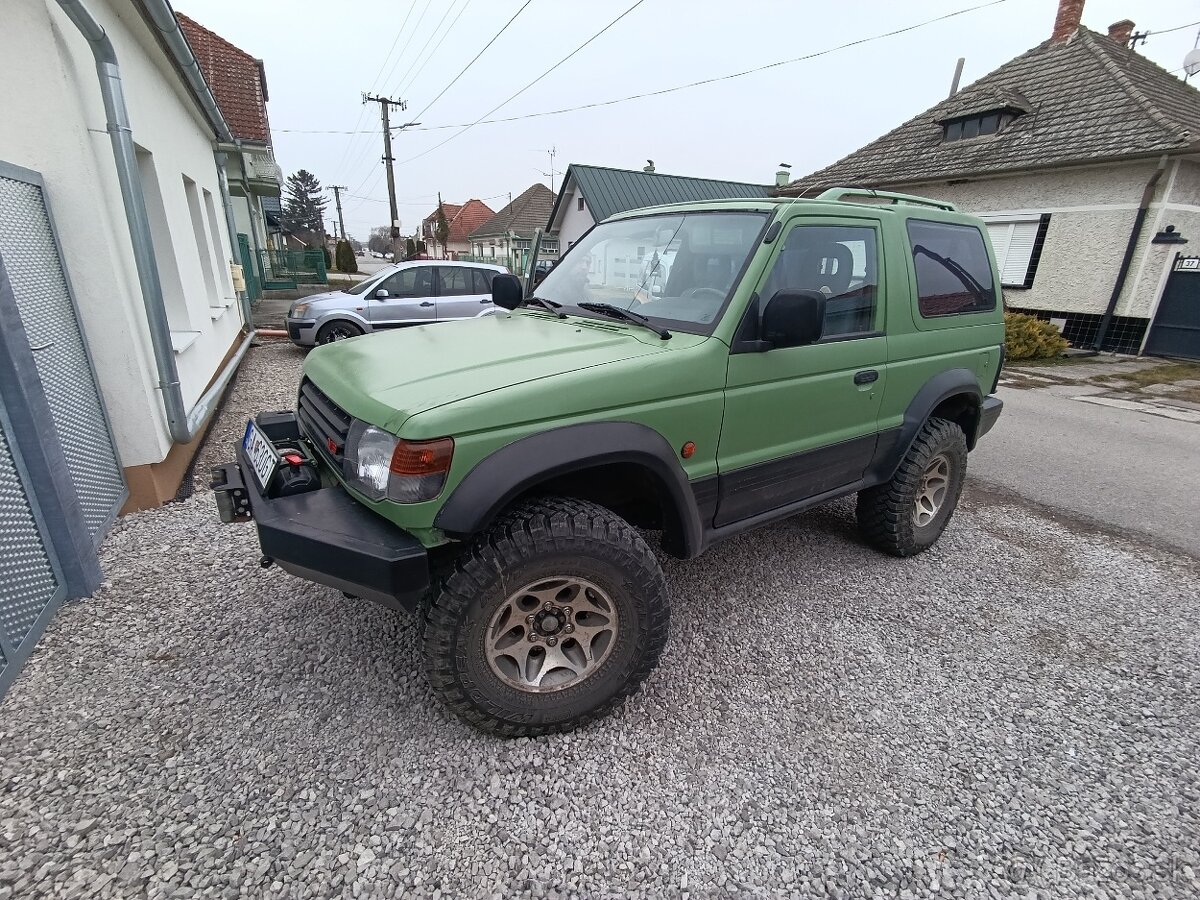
(841, 193)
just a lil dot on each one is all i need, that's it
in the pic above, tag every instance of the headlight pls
(300, 310)
(382, 465)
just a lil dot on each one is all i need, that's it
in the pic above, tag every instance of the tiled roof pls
(611, 191)
(470, 216)
(236, 79)
(523, 216)
(1087, 99)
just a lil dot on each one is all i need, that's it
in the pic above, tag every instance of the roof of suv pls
(831, 202)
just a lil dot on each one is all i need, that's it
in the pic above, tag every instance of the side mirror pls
(381, 294)
(793, 318)
(507, 292)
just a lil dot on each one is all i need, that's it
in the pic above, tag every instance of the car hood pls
(385, 378)
(340, 296)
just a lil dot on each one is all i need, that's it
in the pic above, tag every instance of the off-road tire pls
(545, 538)
(346, 330)
(885, 512)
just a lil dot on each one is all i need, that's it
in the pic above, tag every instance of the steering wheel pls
(696, 292)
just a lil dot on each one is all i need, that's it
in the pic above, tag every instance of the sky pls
(321, 57)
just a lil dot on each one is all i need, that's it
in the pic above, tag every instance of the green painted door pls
(801, 421)
(249, 268)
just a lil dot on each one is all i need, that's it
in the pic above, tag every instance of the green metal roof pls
(611, 191)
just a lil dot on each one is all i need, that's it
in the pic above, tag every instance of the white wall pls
(574, 221)
(55, 125)
(1092, 210)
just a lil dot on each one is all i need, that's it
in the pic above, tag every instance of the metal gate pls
(249, 269)
(61, 483)
(1175, 330)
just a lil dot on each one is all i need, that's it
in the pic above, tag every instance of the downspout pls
(1134, 234)
(134, 201)
(181, 424)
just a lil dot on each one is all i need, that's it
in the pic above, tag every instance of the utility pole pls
(385, 104)
(337, 199)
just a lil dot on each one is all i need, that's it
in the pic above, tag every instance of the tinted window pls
(839, 263)
(953, 272)
(454, 281)
(416, 282)
(482, 279)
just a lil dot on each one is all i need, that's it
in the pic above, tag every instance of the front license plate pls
(261, 453)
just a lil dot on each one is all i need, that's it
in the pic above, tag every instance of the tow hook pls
(266, 562)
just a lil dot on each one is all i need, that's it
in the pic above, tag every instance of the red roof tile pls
(463, 219)
(236, 79)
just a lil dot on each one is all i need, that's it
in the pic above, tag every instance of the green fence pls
(298, 266)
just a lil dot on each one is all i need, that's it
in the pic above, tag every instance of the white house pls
(1082, 155)
(106, 109)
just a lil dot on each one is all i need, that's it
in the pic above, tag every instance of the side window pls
(954, 275)
(482, 279)
(407, 283)
(838, 261)
(454, 281)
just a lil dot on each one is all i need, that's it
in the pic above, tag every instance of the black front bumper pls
(328, 537)
(988, 414)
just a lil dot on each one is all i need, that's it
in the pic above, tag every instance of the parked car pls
(492, 477)
(408, 293)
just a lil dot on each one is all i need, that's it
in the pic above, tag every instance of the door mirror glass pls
(381, 294)
(507, 291)
(793, 318)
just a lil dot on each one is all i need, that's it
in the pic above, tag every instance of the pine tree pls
(441, 227)
(303, 203)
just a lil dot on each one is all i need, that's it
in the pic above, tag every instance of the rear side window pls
(953, 273)
(454, 281)
(482, 279)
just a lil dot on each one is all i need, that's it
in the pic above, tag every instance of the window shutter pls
(1020, 250)
(1000, 235)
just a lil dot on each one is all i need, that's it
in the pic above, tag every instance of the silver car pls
(408, 293)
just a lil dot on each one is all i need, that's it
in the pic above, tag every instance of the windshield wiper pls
(617, 312)
(545, 304)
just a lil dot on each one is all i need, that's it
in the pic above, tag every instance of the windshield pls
(363, 286)
(679, 269)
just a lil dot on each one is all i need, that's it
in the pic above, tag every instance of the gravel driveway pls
(1013, 714)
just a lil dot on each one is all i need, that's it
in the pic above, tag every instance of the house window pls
(966, 127)
(579, 203)
(1017, 243)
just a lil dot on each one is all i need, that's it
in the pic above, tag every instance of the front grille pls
(325, 423)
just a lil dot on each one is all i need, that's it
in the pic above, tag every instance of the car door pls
(458, 294)
(802, 421)
(407, 299)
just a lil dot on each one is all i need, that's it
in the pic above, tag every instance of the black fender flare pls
(498, 479)
(944, 386)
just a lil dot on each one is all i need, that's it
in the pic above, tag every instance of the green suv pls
(694, 370)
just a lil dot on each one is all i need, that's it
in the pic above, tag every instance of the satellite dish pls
(1191, 62)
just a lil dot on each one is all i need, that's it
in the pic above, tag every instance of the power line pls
(531, 84)
(407, 81)
(682, 87)
(454, 80)
(1176, 28)
(362, 109)
(416, 27)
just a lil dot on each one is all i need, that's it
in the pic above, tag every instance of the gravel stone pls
(1012, 714)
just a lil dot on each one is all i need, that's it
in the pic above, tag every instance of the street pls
(1118, 468)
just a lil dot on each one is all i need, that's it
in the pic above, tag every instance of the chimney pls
(649, 167)
(1066, 23)
(783, 176)
(1121, 32)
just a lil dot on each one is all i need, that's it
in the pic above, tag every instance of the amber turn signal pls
(422, 457)
(687, 450)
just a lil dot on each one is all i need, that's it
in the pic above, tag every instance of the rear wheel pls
(553, 616)
(908, 514)
(337, 331)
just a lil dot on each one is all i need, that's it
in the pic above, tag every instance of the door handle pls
(866, 376)
(426, 303)
(486, 300)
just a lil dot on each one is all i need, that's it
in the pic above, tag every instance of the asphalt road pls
(1119, 468)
